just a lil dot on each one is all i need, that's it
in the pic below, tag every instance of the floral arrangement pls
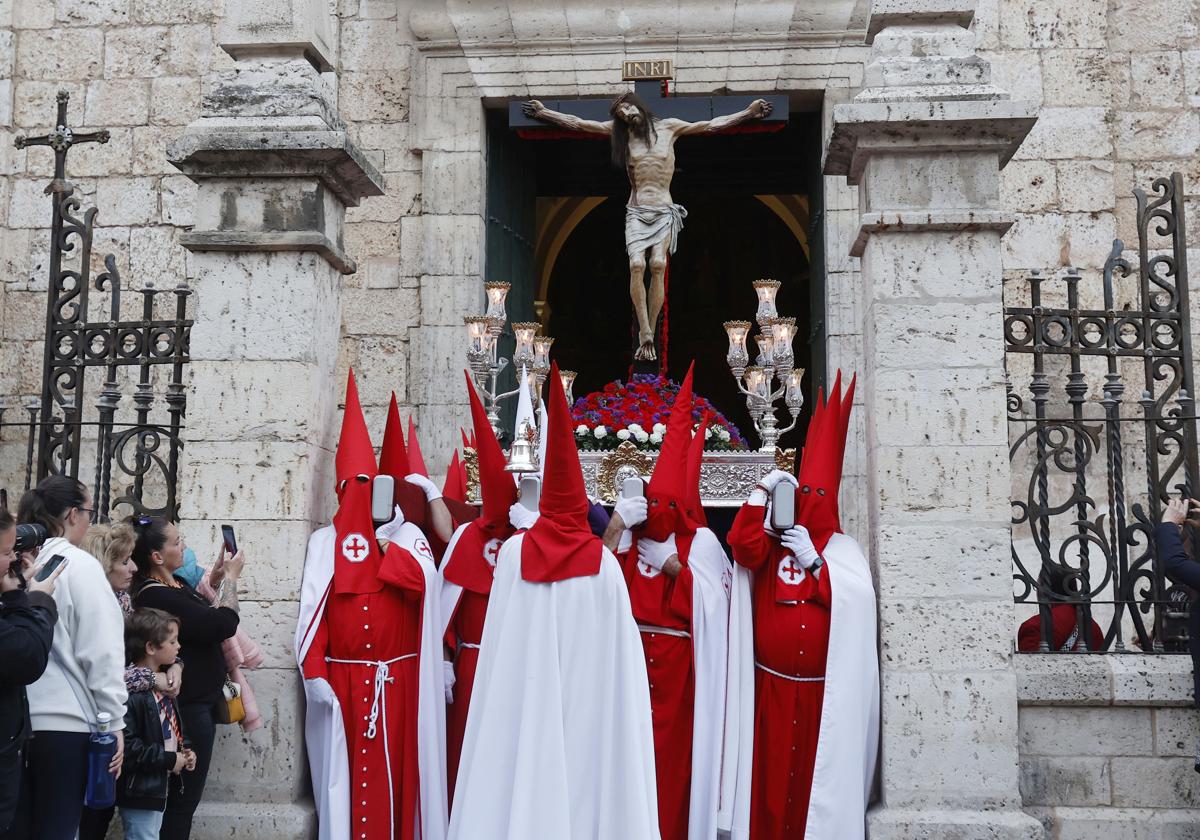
(637, 412)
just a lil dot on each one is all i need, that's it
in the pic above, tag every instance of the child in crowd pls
(154, 740)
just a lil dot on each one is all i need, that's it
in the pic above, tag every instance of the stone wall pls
(1117, 82)
(1108, 745)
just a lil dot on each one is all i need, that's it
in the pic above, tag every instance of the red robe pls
(791, 637)
(377, 627)
(661, 601)
(462, 638)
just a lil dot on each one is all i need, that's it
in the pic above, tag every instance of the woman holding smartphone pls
(86, 673)
(158, 553)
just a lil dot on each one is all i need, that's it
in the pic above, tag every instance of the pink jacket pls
(240, 652)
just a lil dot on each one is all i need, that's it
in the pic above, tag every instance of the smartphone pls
(49, 566)
(783, 507)
(531, 492)
(229, 540)
(383, 493)
(631, 488)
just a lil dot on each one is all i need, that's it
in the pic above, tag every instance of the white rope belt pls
(383, 676)
(763, 667)
(468, 645)
(666, 631)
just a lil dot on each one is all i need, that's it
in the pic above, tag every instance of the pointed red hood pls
(695, 458)
(355, 453)
(496, 485)
(667, 493)
(466, 441)
(452, 486)
(560, 545)
(471, 563)
(820, 473)
(356, 554)
(394, 461)
(415, 459)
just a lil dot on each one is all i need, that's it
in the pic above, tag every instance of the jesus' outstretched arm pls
(756, 110)
(537, 111)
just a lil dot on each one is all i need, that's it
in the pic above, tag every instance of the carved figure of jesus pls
(644, 146)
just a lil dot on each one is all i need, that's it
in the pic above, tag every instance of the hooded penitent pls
(415, 459)
(356, 563)
(820, 473)
(394, 460)
(667, 494)
(560, 545)
(467, 564)
(695, 458)
(452, 487)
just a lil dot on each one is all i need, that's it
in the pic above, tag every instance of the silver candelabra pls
(775, 362)
(532, 355)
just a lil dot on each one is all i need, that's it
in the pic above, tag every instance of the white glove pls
(448, 679)
(432, 493)
(762, 491)
(656, 554)
(390, 530)
(625, 542)
(521, 517)
(632, 511)
(800, 544)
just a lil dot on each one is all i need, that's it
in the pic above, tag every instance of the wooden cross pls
(61, 139)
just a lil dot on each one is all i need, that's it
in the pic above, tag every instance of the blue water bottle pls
(101, 784)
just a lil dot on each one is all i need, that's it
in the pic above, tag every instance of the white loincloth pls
(647, 226)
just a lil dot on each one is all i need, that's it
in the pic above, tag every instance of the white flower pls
(708, 433)
(656, 438)
(641, 436)
(624, 434)
(660, 429)
(600, 432)
(581, 429)
(635, 428)
(723, 433)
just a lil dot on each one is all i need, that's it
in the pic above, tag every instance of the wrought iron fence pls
(1102, 433)
(131, 358)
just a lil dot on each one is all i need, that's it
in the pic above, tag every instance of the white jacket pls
(88, 657)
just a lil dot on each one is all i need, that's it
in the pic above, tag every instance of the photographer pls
(86, 673)
(1176, 547)
(158, 554)
(27, 616)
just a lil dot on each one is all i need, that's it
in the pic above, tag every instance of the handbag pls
(231, 711)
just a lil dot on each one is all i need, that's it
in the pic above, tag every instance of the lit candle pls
(756, 381)
(766, 291)
(524, 331)
(568, 380)
(477, 328)
(783, 330)
(737, 357)
(793, 398)
(541, 352)
(496, 292)
(766, 348)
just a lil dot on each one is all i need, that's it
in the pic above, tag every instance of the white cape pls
(848, 743)
(559, 740)
(711, 577)
(324, 732)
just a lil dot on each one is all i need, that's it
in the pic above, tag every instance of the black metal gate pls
(1102, 429)
(131, 357)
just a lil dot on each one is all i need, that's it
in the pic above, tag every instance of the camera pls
(29, 538)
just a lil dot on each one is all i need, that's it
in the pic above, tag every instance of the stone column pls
(924, 142)
(275, 172)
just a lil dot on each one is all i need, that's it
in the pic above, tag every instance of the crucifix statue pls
(644, 146)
